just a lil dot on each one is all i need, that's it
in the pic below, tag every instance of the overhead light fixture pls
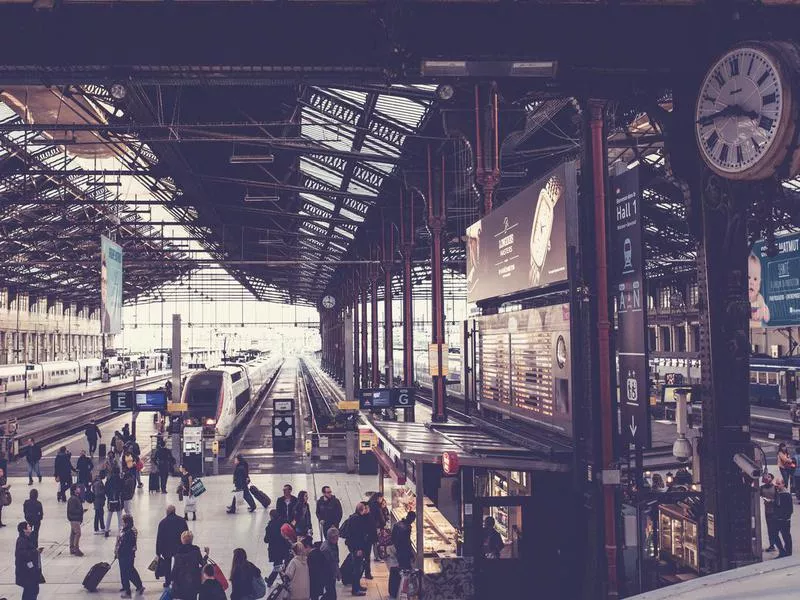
(118, 90)
(269, 242)
(489, 68)
(252, 159)
(445, 91)
(261, 198)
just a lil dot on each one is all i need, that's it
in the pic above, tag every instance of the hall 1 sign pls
(628, 285)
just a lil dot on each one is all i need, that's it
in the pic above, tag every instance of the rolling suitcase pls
(260, 496)
(154, 482)
(346, 570)
(102, 450)
(95, 575)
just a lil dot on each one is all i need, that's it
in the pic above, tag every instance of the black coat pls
(33, 454)
(401, 538)
(93, 432)
(376, 514)
(285, 512)
(301, 515)
(329, 511)
(211, 590)
(242, 581)
(33, 511)
(361, 533)
(168, 540)
(84, 466)
(164, 459)
(278, 549)
(63, 467)
(26, 562)
(113, 487)
(186, 572)
(240, 476)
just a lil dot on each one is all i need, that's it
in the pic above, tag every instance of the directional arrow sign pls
(633, 427)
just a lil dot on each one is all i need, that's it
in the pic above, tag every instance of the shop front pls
(455, 477)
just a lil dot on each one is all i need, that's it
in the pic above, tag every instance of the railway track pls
(322, 400)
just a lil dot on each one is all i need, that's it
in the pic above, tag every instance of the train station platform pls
(214, 528)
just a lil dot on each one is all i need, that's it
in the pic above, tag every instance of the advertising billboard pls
(110, 286)
(151, 400)
(524, 366)
(773, 284)
(522, 244)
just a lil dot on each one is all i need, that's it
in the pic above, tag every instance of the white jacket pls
(299, 579)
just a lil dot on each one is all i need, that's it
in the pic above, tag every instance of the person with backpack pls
(246, 580)
(783, 519)
(188, 564)
(34, 514)
(128, 491)
(125, 553)
(113, 499)
(33, 454)
(99, 502)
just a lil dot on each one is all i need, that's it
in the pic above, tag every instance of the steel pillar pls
(388, 334)
(607, 407)
(373, 298)
(407, 241)
(353, 333)
(437, 220)
(487, 144)
(365, 382)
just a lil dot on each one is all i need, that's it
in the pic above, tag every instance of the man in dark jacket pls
(210, 589)
(401, 540)
(85, 467)
(279, 550)
(126, 432)
(75, 518)
(165, 462)
(783, 519)
(26, 563)
(92, 435)
(33, 454)
(330, 552)
(285, 504)
(329, 511)
(240, 480)
(34, 513)
(168, 541)
(63, 472)
(361, 535)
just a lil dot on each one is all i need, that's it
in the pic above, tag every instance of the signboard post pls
(110, 286)
(628, 285)
(381, 398)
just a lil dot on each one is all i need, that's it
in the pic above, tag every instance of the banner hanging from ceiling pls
(773, 284)
(522, 245)
(110, 286)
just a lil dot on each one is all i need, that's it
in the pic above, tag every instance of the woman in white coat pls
(297, 574)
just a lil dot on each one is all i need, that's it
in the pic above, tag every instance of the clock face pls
(740, 111)
(542, 226)
(561, 352)
(328, 302)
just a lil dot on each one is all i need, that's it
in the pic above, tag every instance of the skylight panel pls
(379, 146)
(343, 232)
(379, 166)
(358, 97)
(406, 111)
(317, 201)
(349, 214)
(314, 170)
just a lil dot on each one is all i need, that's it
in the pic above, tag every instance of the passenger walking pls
(783, 520)
(188, 563)
(360, 537)
(285, 504)
(33, 454)
(27, 564)
(63, 470)
(298, 575)
(329, 511)
(316, 566)
(125, 553)
(403, 551)
(301, 516)
(126, 433)
(165, 462)
(114, 499)
(34, 514)
(768, 494)
(785, 464)
(240, 481)
(245, 576)
(168, 541)
(331, 574)
(127, 492)
(75, 518)
(92, 433)
(379, 514)
(99, 491)
(279, 549)
(189, 499)
(5, 494)
(210, 588)
(84, 466)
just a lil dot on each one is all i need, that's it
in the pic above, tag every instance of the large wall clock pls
(746, 113)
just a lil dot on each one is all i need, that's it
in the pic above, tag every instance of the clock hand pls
(732, 110)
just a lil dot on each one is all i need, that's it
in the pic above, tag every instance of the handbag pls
(166, 595)
(139, 465)
(219, 575)
(162, 568)
(5, 498)
(114, 505)
(153, 566)
(259, 586)
(198, 488)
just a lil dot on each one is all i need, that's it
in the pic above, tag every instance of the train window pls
(242, 399)
(753, 377)
(772, 378)
(236, 377)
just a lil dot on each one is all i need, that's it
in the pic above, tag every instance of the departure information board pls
(524, 366)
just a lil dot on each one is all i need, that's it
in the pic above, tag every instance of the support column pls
(365, 382)
(407, 241)
(487, 142)
(388, 338)
(607, 409)
(437, 219)
(374, 358)
(353, 335)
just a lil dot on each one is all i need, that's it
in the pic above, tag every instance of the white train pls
(222, 397)
(36, 376)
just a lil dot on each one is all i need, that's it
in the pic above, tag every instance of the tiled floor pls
(214, 528)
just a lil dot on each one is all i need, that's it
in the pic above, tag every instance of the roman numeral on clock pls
(712, 140)
(734, 67)
(762, 79)
(765, 123)
(739, 154)
(723, 154)
(769, 99)
(720, 79)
